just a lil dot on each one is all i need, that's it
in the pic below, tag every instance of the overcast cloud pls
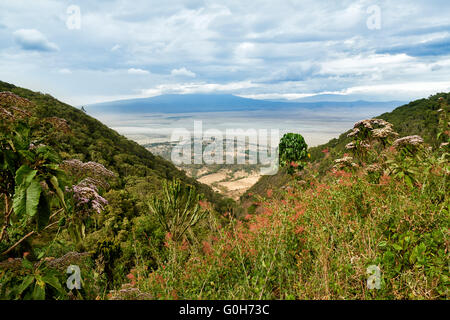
(262, 49)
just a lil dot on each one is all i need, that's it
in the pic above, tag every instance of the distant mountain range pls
(334, 98)
(185, 103)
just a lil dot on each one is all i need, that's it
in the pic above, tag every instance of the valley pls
(131, 219)
(231, 180)
(238, 156)
(146, 122)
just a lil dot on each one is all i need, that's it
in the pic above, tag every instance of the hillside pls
(417, 117)
(88, 192)
(90, 140)
(378, 220)
(376, 226)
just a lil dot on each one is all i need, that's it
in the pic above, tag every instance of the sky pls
(83, 52)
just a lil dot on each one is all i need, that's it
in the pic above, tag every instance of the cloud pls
(287, 48)
(183, 72)
(295, 72)
(185, 88)
(278, 96)
(65, 71)
(137, 71)
(32, 39)
(413, 87)
(363, 63)
(434, 47)
(424, 30)
(115, 47)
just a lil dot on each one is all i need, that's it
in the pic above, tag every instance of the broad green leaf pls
(38, 292)
(55, 183)
(25, 284)
(19, 200)
(21, 137)
(24, 175)
(27, 154)
(24, 178)
(46, 153)
(54, 282)
(32, 197)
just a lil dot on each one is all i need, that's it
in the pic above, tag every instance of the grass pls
(316, 240)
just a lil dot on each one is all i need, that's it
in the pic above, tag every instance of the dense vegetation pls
(368, 218)
(43, 138)
(375, 225)
(417, 117)
(90, 140)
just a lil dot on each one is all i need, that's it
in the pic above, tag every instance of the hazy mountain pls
(181, 103)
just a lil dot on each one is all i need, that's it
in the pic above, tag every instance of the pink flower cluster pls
(86, 196)
(9, 107)
(96, 172)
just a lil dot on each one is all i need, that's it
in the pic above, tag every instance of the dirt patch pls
(212, 178)
(229, 183)
(241, 184)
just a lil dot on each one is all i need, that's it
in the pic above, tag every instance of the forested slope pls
(91, 140)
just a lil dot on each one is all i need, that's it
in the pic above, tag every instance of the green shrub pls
(292, 151)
